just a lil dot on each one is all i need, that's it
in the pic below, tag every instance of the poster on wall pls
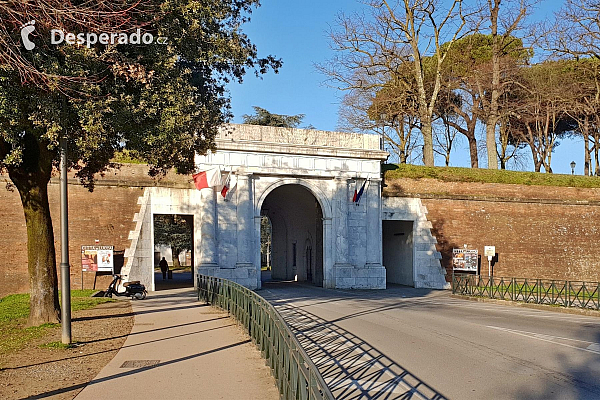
(464, 260)
(97, 258)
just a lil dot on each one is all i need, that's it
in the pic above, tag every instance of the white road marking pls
(592, 348)
(499, 308)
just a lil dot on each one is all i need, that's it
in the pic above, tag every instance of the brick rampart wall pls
(539, 232)
(105, 214)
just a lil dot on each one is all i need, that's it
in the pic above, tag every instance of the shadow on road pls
(581, 374)
(351, 367)
(179, 280)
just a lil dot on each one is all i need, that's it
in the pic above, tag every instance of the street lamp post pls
(65, 269)
(573, 167)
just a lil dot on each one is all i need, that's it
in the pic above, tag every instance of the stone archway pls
(296, 218)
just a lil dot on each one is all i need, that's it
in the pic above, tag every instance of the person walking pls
(164, 267)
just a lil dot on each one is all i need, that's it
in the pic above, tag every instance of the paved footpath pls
(182, 349)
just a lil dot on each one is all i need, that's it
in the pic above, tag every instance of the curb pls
(545, 307)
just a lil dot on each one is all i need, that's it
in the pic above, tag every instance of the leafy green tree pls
(164, 101)
(541, 119)
(266, 233)
(266, 118)
(505, 19)
(174, 231)
(468, 74)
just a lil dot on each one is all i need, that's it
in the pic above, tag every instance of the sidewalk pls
(182, 349)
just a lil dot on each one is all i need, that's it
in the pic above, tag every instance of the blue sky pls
(296, 31)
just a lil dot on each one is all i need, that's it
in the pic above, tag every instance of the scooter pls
(133, 289)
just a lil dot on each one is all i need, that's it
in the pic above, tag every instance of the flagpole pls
(362, 189)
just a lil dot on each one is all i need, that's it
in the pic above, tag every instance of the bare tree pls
(445, 138)
(577, 29)
(576, 36)
(505, 18)
(407, 35)
(509, 145)
(357, 114)
(66, 15)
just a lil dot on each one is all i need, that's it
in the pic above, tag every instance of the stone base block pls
(369, 276)
(245, 276)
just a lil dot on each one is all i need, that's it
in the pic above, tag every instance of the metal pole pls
(65, 270)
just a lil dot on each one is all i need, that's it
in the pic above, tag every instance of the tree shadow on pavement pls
(578, 379)
(352, 368)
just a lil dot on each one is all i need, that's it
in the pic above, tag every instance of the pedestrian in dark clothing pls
(164, 267)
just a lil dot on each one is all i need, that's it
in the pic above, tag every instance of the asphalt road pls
(405, 343)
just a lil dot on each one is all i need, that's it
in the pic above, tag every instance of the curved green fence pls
(297, 377)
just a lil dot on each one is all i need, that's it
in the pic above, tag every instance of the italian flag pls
(226, 185)
(208, 179)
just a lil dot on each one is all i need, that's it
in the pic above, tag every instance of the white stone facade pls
(347, 240)
(328, 165)
(426, 267)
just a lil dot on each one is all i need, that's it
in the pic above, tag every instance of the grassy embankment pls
(454, 174)
(14, 310)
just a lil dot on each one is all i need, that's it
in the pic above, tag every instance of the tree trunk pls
(427, 131)
(586, 144)
(473, 151)
(175, 257)
(492, 116)
(537, 162)
(597, 151)
(31, 180)
(490, 139)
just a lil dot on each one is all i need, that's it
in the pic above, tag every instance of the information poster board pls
(464, 260)
(97, 258)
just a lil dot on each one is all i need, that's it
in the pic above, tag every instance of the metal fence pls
(539, 291)
(297, 377)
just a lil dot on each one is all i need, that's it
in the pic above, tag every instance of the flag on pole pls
(226, 185)
(207, 179)
(357, 195)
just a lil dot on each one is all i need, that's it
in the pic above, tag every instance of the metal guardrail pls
(297, 377)
(539, 291)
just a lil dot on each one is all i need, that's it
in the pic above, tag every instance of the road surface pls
(405, 343)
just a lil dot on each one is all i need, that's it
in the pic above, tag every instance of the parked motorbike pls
(133, 289)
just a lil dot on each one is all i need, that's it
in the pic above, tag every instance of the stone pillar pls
(209, 257)
(341, 222)
(245, 220)
(328, 256)
(373, 200)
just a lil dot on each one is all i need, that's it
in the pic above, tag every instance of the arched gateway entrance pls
(303, 181)
(296, 249)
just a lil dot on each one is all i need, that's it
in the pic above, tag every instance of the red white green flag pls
(208, 179)
(226, 185)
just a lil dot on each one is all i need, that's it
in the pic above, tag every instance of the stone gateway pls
(304, 182)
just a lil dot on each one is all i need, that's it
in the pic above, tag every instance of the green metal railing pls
(297, 377)
(539, 291)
